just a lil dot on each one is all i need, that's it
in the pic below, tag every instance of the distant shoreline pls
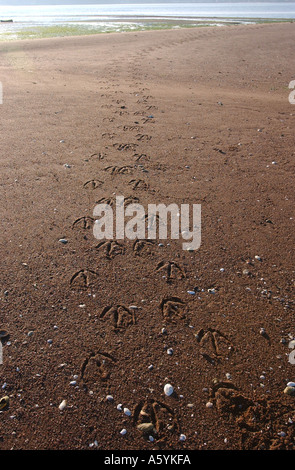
(122, 24)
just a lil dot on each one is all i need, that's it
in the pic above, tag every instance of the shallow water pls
(68, 20)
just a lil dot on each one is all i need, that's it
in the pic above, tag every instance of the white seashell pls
(109, 398)
(73, 382)
(127, 412)
(123, 432)
(182, 437)
(63, 405)
(168, 390)
(170, 351)
(119, 407)
(291, 384)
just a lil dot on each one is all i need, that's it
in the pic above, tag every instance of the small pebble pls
(209, 404)
(182, 437)
(191, 292)
(123, 432)
(170, 351)
(262, 331)
(73, 382)
(109, 398)
(63, 240)
(119, 407)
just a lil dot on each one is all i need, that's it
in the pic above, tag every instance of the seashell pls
(127, 412)
(4, 403)
(291, 384)
(168, 390)
(3, 334)
(146, 427)
(63, 405)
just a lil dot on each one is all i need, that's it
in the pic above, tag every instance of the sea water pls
(60, 20)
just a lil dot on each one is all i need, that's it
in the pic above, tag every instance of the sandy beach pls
(188, 116)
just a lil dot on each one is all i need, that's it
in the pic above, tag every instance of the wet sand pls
(196, 116)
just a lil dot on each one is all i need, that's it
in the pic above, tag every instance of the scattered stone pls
(109, 398)
(63, 240)
(119, 407)
(123, 432)
(170, 351)
(182, 437)
(73, 382)
(168, 390)
(258, 258)
(191, 292)
(262, 331)
(30, 333)
(209, 404)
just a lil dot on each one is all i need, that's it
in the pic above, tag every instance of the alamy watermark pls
(120, 221)
(292, 93)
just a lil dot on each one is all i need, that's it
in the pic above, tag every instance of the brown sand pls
(86, 102)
